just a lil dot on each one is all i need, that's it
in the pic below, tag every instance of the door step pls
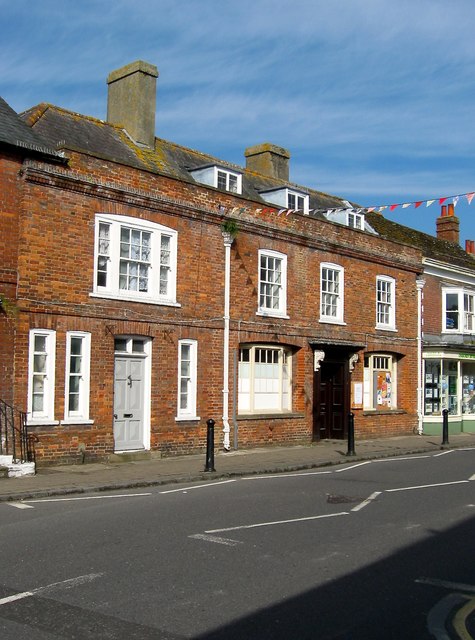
(17, 469)
(130, 456)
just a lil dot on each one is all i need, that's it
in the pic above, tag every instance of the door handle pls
(128, 415)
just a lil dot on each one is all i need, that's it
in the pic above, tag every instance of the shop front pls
(448, 383)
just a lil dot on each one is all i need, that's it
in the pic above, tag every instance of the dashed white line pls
(276, 522)
(427, 486)
(200, 486)
(208, 538)
(20, 505)
(366, 502)
(360, 464)
(64, 584)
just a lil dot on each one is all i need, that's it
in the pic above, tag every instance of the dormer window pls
(287, 198)
(219, 177)
(355, 220)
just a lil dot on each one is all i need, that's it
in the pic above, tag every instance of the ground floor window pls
(441, 386)
(264, 379)
(187, 378)
(41, 374)
(78, 349)
(379, 381)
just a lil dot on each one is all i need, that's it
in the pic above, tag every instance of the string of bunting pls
(377, 209)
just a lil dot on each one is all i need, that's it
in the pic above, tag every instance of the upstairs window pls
(458, 311)
(331, 293)
(135, 260)
(272, 283)
(355, 220)
(219, 177)
(385, 302)
(288, 199)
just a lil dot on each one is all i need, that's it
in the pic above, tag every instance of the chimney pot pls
(450, 210)
(443, 212)
(132, 97)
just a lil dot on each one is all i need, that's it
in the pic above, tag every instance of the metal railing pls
(14, 437)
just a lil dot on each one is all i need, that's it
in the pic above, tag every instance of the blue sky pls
(375, 99)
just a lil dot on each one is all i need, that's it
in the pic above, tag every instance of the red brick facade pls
(54, 241)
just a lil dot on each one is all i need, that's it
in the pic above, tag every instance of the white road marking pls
(122, 495)
(472, 477)
(20, 505)
(271, 524)
(360, 464)
(64, 584)
(200, 486)
(457, 586)
(426, 486)
(295, 474)
(369, 499)
(444, 453)
(226, 541)
(401, 458)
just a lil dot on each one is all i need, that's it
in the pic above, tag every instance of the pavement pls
(113, 475)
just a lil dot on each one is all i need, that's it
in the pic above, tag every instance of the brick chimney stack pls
(268, 160)
(132, 98)
(448, 225)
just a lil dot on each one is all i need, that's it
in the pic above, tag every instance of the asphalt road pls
(380, 549)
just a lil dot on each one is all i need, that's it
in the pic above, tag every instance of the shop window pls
(379, 382)
(441, 387)
(468, 387)
(265, 375)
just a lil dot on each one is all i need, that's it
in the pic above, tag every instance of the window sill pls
(121, 298)
(43, 422)
(269, 416)
(69, 421)
(381, 327)
(330, 321)
(382, 412)
(269, 314)
(187, 419)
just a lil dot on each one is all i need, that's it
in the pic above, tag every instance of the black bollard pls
(351, 434)
(445, 426)
(210, 446)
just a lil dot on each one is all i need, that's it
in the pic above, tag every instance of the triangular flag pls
(429, 202)
(393, 206)
(455, 199)
(370, 209)
(442, 200)
(406, 204)
(289, 211)
(470, 197)
(418, 204)
(280, 212)
(382, 208)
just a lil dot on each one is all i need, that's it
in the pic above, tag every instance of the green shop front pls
(448, 383)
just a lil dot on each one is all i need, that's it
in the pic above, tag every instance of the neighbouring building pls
(155, 287)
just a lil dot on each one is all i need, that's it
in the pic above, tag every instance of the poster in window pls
(383, 394)
(428, 378)
(428, 407)
(428, 393)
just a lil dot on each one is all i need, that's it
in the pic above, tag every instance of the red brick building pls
(155, 287)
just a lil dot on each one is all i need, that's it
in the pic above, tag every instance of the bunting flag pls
(378, 209)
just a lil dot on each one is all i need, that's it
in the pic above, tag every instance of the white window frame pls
(355, 220)
(237, 178)
(280, 197)
(46, 416)
(157, 262)
(465, 310)
(191, 380)
(247, 385)
(80, 416)
(262, 309)
(374, 363)
(386, 302)
(338, 318)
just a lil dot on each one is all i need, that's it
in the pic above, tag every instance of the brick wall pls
(55, 262)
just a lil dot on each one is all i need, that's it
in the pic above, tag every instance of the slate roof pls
(60, 128)
(14, 133)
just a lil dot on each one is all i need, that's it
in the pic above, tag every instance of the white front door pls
(129, 403)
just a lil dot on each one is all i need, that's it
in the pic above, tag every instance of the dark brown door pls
(331, 401)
